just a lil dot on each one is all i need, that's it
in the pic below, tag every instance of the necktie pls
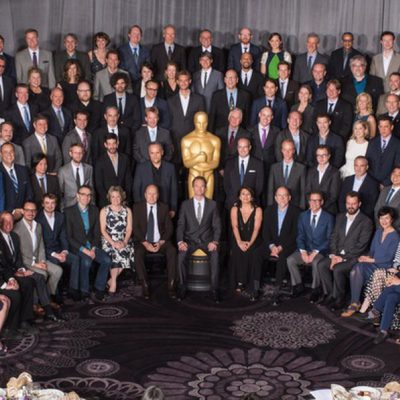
(205, 80)
(78, 178)
(84, 141)
(282, 90)
(383, 145)
(120, 110)
(170, 53)
(1, 90)
(60, 119)
(389, 196)
(330, 109)
(309, 62)
(34, 59)
(269, 103)
(345, 58)
(198, 213)
(245, 50)
(14, 180)
(231, 102)
(263, 137)
(42, 187)
(286, 174)
(150, 226)
(231, 140)
(135, 55)
(245, 80)
(27, 120)
(44, 146)
(10, 243)
(314, 222)
(242, 173)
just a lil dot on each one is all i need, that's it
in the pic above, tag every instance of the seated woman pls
(4, 307)
(246, 254)
(146, 73)
(116, 232)
(38, 95)
(305, 108)
(364, 112)
(71, 78)
(169, 87)
(356, 146)
(381, 254)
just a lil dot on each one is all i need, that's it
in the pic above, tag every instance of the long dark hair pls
(251, 191)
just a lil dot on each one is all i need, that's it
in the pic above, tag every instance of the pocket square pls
(252, 171)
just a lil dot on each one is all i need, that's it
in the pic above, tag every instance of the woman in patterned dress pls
(116, 232)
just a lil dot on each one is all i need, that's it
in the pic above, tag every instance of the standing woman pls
(270, 59)
(146, 73)
(169, 87)
(116, 233)
(305, 108)
(38, 95)
(246, 257)
(98, 55)
(69, 83)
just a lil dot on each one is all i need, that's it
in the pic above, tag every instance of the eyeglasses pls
(85, 194)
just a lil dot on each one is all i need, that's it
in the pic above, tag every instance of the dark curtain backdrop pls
(292, 18)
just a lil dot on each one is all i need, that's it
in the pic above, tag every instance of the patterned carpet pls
(200, 350)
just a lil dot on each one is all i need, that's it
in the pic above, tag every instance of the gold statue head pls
(201, 121)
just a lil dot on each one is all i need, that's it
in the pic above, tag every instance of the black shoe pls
(26, 327)
(53, 318)
(382, 335)
(216, 297)
(326, 300)
(297, 290)
(181, 293)
(314, 297)
(99, 295)
(146, 290)
(74, 294)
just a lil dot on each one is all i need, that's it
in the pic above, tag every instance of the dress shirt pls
(50, 219)
(386, 61)
(321, 172)
(142, 88)
(196, 206)
(157, 235)
(349, 220)
(44, 177)
(387, 140)
(358, 182)
(114, 162)
(80, 134)
(1, 88)
(203, 73)
(393, 116)
(31, 54)
(245, 49)
(152, 133)
(234, 93)
(246, 162)
(32, 233)
(8, 169)
(21, 108)
(81, 175)
(269, 100)
(321, 139)
(149, 103)
(123, 98)
(313, 57)
(284, 164)
(318, 214)
(42, 139)
(395, 190)
(260, 131)
(8, 240)
(137, 47)
(333, 102)
(296, 140)
(184, 102)
(167, 46)
(283, 87)
(281, 218)
(249, 74)
(113, 129)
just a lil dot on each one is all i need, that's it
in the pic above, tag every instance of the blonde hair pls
(369, 102)
(365, 125)
(116, 189)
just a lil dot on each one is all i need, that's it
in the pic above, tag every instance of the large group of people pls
(307, 167)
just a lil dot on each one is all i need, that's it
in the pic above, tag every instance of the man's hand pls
(41, 265)
(171, 214)
(212, 246)
(90, 253)
(183, 246)
(304, 257)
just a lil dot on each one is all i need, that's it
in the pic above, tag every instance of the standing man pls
(6, 136)
(394, 88)
(288, 88)
(10, 62)
(250, 79)
(6, 87)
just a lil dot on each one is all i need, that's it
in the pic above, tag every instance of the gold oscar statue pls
(201, 151)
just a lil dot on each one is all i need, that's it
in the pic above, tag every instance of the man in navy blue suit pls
(133, 54)
(10, 66)
(313, 233)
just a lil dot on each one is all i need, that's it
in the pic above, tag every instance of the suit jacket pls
(394, 203)
(183, 124)
(73, 137)
(9, 263)
(214, 82)
(8, 94)
(254, 85)
(95, 110)
(14, 199)
(369, 192)
(141, 141)
(286, 134)
(23, 62)
(32, 146)
(381, 163)
(76, 234)
(67, 182)
(382, 104)
(163, 112)
(54, 124)
(219, 109)
(51, 186)
(377, 69)
(128, 61)
(19, 153)
(266, 153)
(301, 72)
(10, 67)
(329, 186)
(296, 183)
(253, 178)
(131, 117)
(292, 90)
(396, 124)
(55, 240)
(217, 54)
(335, 144)
(20, 130)
(287, 236)
(124, 142)
(190, 231)
(61, 57)
(310, 240)
(105, 177)
(342, 117)
(30, 254)
(279, 110)
(336, 63)
(164, 222)
(101, 85)
(318, 91)
(352, 245)
(159, 58)
(235, 53)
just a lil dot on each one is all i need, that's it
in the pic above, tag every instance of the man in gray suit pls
(199, 227)
(42, 142)
(390, 196)
(73, 175)
(6, 136)
(33, 56)
(207, 80)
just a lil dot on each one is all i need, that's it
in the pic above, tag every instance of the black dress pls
(246, 266)
(41, 100)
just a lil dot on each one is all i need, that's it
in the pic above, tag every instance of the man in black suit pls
(339, 62)
(17, 186)
(250, 79)
(359, 82)
(243, 170)
(21, 114)
(71, 53)
(10, 62)
(6, 136)
(392, 105)
(83, 234)
(288, 88)
(59, 117)
(112, 168)
(318, 82)
(166, 51)
(280, 231)
(150, 134)
(225, 100)
(339, 110)
(244, 46)
(111, 116)
(205, 39)
(127, 103)
(152, 233)
(362, 183)
(349, 240)
(199, 227)
(6, 87)
(324, 178)
(182, 108)
(383, 152)
(325, 135)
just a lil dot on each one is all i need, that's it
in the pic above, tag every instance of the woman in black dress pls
(38, 95)
(169, 87)
(71, 78)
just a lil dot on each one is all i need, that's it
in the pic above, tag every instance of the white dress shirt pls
(157, 235)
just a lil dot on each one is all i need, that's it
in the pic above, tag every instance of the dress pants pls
(359, 276)
(295, 260)
(52, 275)
(41, 288)
(72, 262)
(386, 304)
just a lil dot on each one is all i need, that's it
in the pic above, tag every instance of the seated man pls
(313, 232)
(55, 241)
(83, 234)
(152, 230)
(199, 227)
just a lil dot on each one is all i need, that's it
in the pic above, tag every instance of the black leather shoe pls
(181, 293)
(297, 290)
(53, 318)
(314, 296)
(216, 297)
(146, 290)
(99, 295)
(382, 335)
(26, 327)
